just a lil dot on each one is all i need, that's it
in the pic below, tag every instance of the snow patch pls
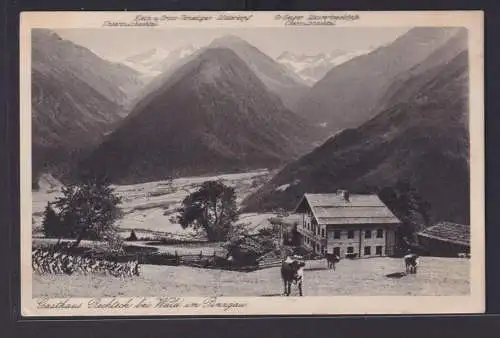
(286, 186)
(47, 182)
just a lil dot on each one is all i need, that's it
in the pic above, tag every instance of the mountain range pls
(277, 78)
(398, 115)
(418, 143)
(348, 94)
(76, 98)
(312, 68)
(212, 114)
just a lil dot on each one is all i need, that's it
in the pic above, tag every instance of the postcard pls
(252, 163)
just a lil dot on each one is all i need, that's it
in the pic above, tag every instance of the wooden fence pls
(146, 255)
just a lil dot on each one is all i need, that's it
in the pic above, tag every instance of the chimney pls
(344, 194)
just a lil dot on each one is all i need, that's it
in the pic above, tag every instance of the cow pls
(331, 260)
(411, 262)
(292, 271)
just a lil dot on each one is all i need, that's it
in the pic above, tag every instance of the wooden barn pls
(347, 225)
(446, 239)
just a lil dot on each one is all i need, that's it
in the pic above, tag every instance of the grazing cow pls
(411, 262)
(331, 260)
(292, 271)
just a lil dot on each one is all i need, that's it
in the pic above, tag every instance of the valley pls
(150, 208)
(225, 109)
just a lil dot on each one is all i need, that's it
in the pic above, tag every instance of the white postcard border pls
(474, 303)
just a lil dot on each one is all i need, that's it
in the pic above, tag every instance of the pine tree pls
(51, 225)
(132, 237)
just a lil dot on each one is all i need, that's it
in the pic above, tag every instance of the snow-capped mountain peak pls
(311, 68)
(156, 60)
(149, 56)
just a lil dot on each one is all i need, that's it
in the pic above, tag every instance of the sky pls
(119, 43)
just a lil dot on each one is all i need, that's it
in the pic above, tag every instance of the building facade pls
(347, 225)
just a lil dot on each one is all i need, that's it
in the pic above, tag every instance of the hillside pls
(212, 115)
(419, 144)
(404, 85)
(76, 99)
(347, 95)
(115, 81)
(58, 100)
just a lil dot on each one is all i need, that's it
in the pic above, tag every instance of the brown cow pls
(411, 263)
(331, 260)
(292, 270)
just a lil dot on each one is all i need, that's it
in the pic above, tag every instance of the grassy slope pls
(437, 276)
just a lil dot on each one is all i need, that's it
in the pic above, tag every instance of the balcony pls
(311, 234)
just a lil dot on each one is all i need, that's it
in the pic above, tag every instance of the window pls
(317, 247)
(323, 233)
(368, 250)
(336, 234)
(350, 249)
(336, 251)
(368, 234)
(378, 250)
(350, 234)
(380, 233)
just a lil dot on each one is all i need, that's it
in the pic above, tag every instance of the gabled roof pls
(448, 232)
(358, 209)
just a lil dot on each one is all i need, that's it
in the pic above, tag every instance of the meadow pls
(363, 277)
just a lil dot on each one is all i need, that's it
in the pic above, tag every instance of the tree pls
(89, 208)
(211, 208)
(132, 237)
(51, 224)
(409, 206)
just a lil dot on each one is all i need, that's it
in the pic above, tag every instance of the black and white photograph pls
(202, 162)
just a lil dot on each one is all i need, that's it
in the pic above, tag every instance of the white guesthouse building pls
(346, 225)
